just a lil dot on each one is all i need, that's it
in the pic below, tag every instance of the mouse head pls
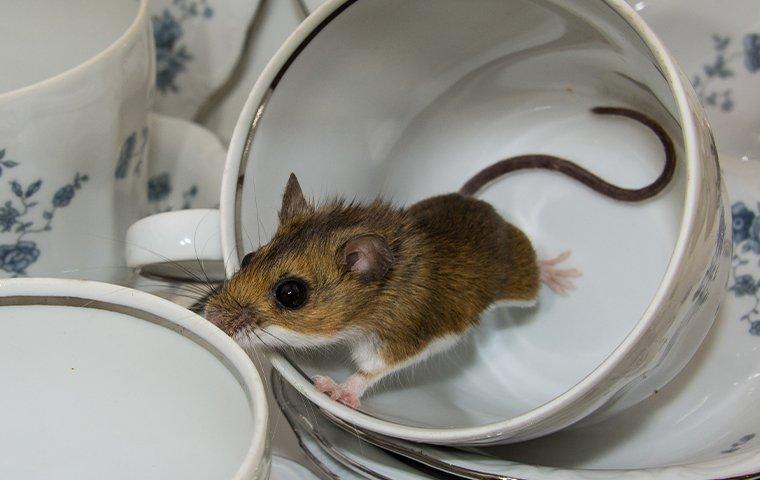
(323, 270)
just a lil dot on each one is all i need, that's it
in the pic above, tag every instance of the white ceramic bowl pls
(408, 99)
(101, 381)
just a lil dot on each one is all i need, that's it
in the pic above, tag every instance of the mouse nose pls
(231, 322)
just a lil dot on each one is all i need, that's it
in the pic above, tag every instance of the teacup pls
(75, 92)
(102, 381)
(407, 99)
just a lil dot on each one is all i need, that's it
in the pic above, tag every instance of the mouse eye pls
(247, 259)
(291, 293)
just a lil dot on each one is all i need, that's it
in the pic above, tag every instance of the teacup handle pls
(184, 245)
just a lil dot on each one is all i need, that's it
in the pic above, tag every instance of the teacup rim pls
(67, 292)
(237, 157)
(119, 44)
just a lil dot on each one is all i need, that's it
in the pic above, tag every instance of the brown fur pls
(452, 256)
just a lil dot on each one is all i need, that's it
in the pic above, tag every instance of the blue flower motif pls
(753, 243)
(742, 221)
(752, 52)
(159, 187)
(63, 196)
(744, 285)
(166, 31)
(16, 258)
(8, 217)
(754, 328)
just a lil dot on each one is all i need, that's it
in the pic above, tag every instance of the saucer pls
(333, 450)
(198, 43)
(185, 165)
(718, 47)
(704, 420)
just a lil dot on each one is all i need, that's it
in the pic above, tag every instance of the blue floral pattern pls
(746, 231)
(171, 55)
(129, 152)
(723, 67)
(16, 218)
(160, 188)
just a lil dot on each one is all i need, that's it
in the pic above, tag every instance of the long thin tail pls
(550, 162)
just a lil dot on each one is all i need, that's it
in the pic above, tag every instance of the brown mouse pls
(397, 284)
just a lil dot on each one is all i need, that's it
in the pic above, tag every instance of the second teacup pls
(74, 106)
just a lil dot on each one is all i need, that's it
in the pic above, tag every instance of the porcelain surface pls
(343, 456)
(185, 165)
(718, 47)
(453, 115)
(73, 135)
(285, 469)
(198, 43)
(100, 373)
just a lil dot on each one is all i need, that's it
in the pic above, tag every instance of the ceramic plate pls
(185, 165)
(705, 418)
(198, 43)
(718, 47)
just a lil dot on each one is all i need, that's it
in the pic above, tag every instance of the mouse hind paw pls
(558, 279)
(347, 393)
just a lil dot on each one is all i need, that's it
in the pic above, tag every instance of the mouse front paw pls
(558, 279)
(344, 393)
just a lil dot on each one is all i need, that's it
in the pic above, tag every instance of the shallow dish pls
(102, 381)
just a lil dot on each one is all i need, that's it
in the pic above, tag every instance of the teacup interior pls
(406, 99)
(91, 393)
(43, 38)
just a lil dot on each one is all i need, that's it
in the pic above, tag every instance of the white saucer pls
(333, 450)
(718, 47)
(704, 420)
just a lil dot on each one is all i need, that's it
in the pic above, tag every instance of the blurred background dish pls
(198, 44)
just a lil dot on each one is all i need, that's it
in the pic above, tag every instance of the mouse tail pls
(566, 167)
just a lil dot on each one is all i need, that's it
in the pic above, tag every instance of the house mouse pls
(398, 284)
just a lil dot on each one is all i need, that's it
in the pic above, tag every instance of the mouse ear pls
(368, 257)
(293, 201)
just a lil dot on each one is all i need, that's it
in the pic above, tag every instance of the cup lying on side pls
(74, 107)
(427, 94)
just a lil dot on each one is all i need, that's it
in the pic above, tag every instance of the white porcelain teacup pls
(75, 91)
(102, 381)
(407, 99)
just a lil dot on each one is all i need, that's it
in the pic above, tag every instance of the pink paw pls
(558, 279)
(343, 393)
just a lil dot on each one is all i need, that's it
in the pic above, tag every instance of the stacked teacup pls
(100, 380)
(405, 99)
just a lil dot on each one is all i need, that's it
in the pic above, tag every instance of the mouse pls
(399, 284)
